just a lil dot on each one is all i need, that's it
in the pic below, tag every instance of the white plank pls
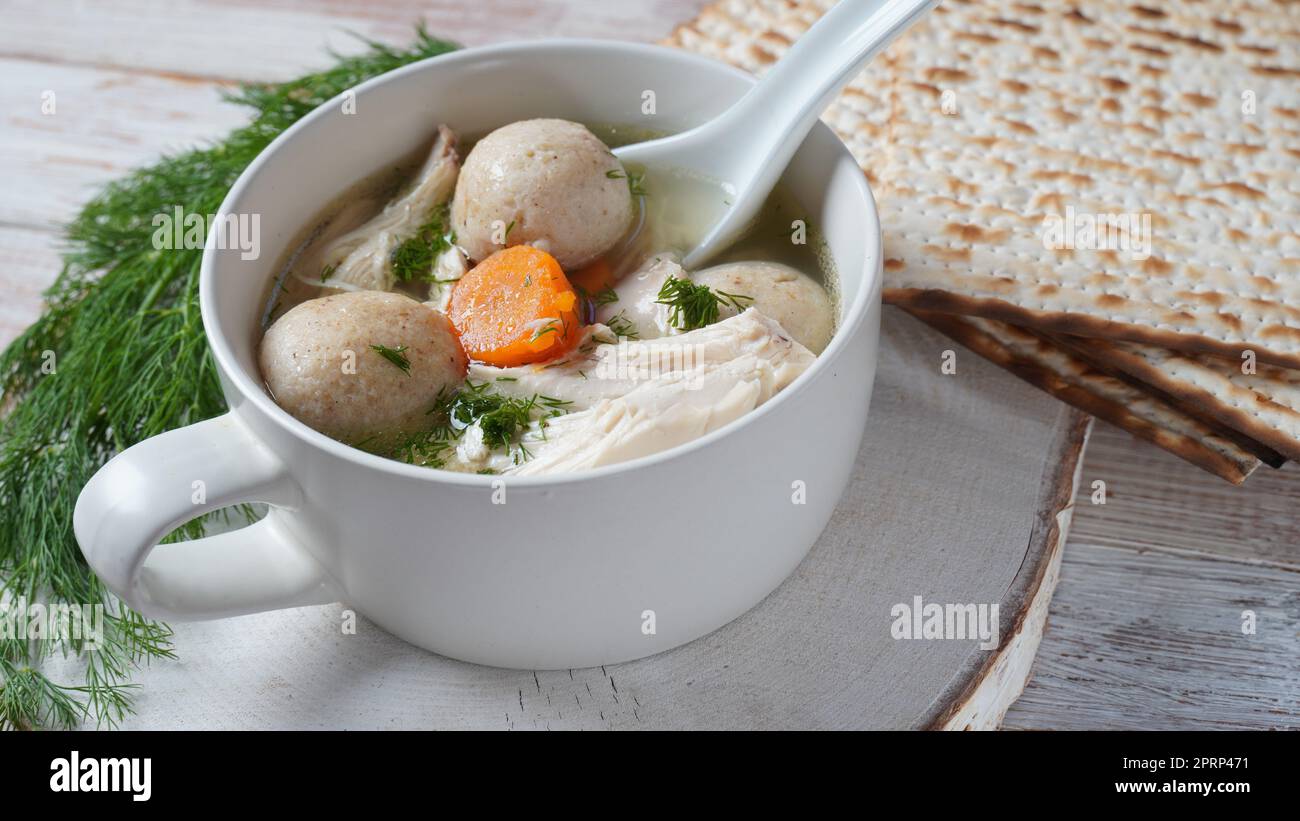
(1157, 502)
(261, 41)
(104, 123)
(1148, 641)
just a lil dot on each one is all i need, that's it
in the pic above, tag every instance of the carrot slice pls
(514, 308)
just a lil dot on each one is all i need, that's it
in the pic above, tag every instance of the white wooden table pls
(1145, 628)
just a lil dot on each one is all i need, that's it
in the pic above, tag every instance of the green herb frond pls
(395, 355)
(119, 355)
(413, 260)
(694, 306)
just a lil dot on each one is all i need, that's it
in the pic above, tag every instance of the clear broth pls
(673, 213)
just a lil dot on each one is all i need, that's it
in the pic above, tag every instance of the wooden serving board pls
(961, 494)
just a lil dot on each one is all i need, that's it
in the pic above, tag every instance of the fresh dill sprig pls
(503, 420)
(395, 355)
(414, 259)
(694, 306)
(122, 329)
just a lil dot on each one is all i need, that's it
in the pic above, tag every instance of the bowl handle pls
(149, 489)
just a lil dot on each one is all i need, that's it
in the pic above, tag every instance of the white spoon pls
(748, 146)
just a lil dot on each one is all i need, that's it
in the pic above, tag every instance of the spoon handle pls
(750, 144)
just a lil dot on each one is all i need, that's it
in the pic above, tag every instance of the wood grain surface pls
(1145, 628)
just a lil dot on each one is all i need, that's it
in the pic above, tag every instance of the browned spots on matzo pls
(776, 39)
(761, 56)
(1019, 127)
(950, 202)
(1156, 266)
(1280, 332)
(1175, 37)
(1096, 44)
(1111, 301)
(1046, 289)
(961, 188)
(939, 74)
(1264, 284)
(1101, 279)
(1276, 71)
(1078, 17)
(1212, 298)
(1114, 84)
(1045, 53)
(1015, 86)
(1199, 100)
(1228, 25)
(975, 233)
(946, 254)
(892, 264)
(1018, 25)
(1111, 105)
(1148, 12)
(1064, 117)
(1048, 202)
(977, 37)
(1145, 49)
(932, 90)
(1244, 148)
(1231, 320)
(1185, 159)
(1238, 188)
(1078, 180)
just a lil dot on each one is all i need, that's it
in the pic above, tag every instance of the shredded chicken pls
(638, 398)
(361, 260)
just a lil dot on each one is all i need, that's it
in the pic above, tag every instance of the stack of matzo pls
(989, 118)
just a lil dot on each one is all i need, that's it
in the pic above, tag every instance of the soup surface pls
(516, 305)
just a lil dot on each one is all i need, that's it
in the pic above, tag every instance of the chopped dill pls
(636, 184)
(549, 328)
(414, 259)
(635, 181)
(591, 304)
(622, 326)
(502, 419)
(694, 306)
(395, 355)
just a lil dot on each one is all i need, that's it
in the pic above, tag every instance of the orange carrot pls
(514, 308)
